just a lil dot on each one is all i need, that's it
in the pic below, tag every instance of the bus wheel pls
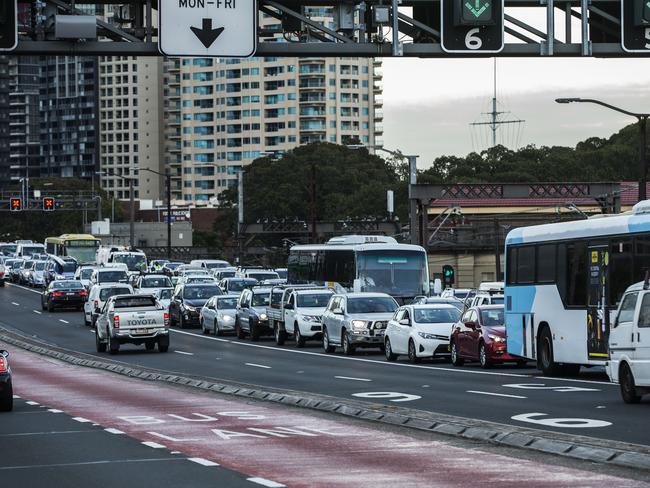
(545, 347)
(628, 388)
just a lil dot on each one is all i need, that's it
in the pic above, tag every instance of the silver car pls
(37, 276)
(356, 320)
(218, 314)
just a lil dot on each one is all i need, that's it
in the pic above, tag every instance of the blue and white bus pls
(363, 263)
(563, 284)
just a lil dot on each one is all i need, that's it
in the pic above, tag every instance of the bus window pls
(526, 264)
(546, 263)
(511, 266)
(576, 293)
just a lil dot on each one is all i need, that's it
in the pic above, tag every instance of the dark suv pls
(6, 390)
(187, 302)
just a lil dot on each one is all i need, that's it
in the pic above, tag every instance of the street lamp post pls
(168, 184)
(642, 119)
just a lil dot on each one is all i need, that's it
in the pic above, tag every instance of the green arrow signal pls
(477, 9)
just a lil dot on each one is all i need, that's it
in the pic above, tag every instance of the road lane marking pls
(351, 378)
(397, 365)
(54, 410)
(32, 403)
(265, 482)
(64, 321)
(113, 431)
(202, 462)
(87, 463)
(14, 303)
(82, 420)
(16, 396)
(154, 445)
(495, 394)
(26, 289)
(257, 365)
(37, 312)
(185, 353)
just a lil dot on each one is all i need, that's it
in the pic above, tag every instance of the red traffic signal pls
(15, 204)
(48, 204)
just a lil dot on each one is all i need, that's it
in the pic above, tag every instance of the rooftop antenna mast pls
(494, 123)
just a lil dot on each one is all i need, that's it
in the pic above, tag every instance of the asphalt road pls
(44, 447)
(587, 405)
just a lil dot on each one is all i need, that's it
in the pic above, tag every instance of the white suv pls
(357, 320)
(97, 297)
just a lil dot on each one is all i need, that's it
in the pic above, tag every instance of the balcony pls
(312, 98)
(312, 112)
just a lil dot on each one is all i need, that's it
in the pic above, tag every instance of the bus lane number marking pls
(391, 396)
(560, 422)
(542, 386)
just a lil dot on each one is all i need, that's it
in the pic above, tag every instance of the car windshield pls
(397, 273)
(492, 317)
(111, 276)
(496, 300)
(17, 264)
(106, 293)
(135, 301)
(282, 273)
(371, 305)
(165, 294)
(263, 276)
(39, 266)
(172, 265)
(239, 285)
(28, 264)
(261, 299)
(134, 262)
(157, 282)
(216, 265)
(314, 300)
(67, 285)
(69, 267)
(200, 292)
(226, 274)
(86, 273)
(436, 315)
(29, 250)
(227, 303)
(461, 295)
(200, 279)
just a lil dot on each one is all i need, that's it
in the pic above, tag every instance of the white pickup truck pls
(132, 319)
(297, 313)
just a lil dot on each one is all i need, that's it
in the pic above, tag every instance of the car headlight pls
(439, 337)
(227, 318)
(496, 338)
(263, 316)
(190, 308)
(310, 318)
(359, 324)
(60, 277)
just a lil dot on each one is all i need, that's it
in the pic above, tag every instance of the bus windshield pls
(398, 272)
(83, 254)
(134, 262)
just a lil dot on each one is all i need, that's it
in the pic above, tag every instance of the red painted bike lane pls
(271, 442)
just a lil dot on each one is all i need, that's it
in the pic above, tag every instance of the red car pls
(480, 335)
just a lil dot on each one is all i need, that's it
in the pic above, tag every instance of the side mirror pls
(289, 306)
(472, 325)
(4, 353)
(405, 322)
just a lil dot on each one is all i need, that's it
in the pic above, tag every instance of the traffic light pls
(635, 26)
(448, 277)
(16, 204)
(472, 26)
(48, 204)
(8, 25)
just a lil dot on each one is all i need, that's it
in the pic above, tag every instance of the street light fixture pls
(642, 118)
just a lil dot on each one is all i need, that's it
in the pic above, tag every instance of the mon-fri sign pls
(222, 28)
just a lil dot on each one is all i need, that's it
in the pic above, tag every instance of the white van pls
(629, 344)
(26, 250)
(210, 264)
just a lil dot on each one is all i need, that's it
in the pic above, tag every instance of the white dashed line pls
(37, 312)
(257, 365)
(495, 394)
(17, 304)
(202, 462)
(32, 403)
(16, 396)
(82, 420)
(265, 482)
(175, 452)
(186, 353)
(64, 321)
(155, 445)
(113, 431)
(54, 410)
(351, 378)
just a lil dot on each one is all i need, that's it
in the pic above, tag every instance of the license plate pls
(71, 294)
(142, 331)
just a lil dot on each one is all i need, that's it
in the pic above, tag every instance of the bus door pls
(597, 312)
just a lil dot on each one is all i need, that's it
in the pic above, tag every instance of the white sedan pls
(420, 331)
(218, 314)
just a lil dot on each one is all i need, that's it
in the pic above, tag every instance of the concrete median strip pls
(567, 445)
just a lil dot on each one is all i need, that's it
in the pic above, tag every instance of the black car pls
(234, 286)
(64, 294)
(187, 302)
(6, 390)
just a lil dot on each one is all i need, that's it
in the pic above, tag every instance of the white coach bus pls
(564, 282)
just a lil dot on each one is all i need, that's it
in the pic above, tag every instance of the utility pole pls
(497, 250)
(240, 216)
(168, 182)
(313, 203)
(132, 220)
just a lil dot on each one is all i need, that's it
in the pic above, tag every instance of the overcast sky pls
(429, 103)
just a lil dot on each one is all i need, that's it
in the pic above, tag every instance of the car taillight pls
(57, 294)
(166, 321)
(83, 293)
(3, 365)
(116, 321)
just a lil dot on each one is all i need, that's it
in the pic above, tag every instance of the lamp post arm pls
(612, 107)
